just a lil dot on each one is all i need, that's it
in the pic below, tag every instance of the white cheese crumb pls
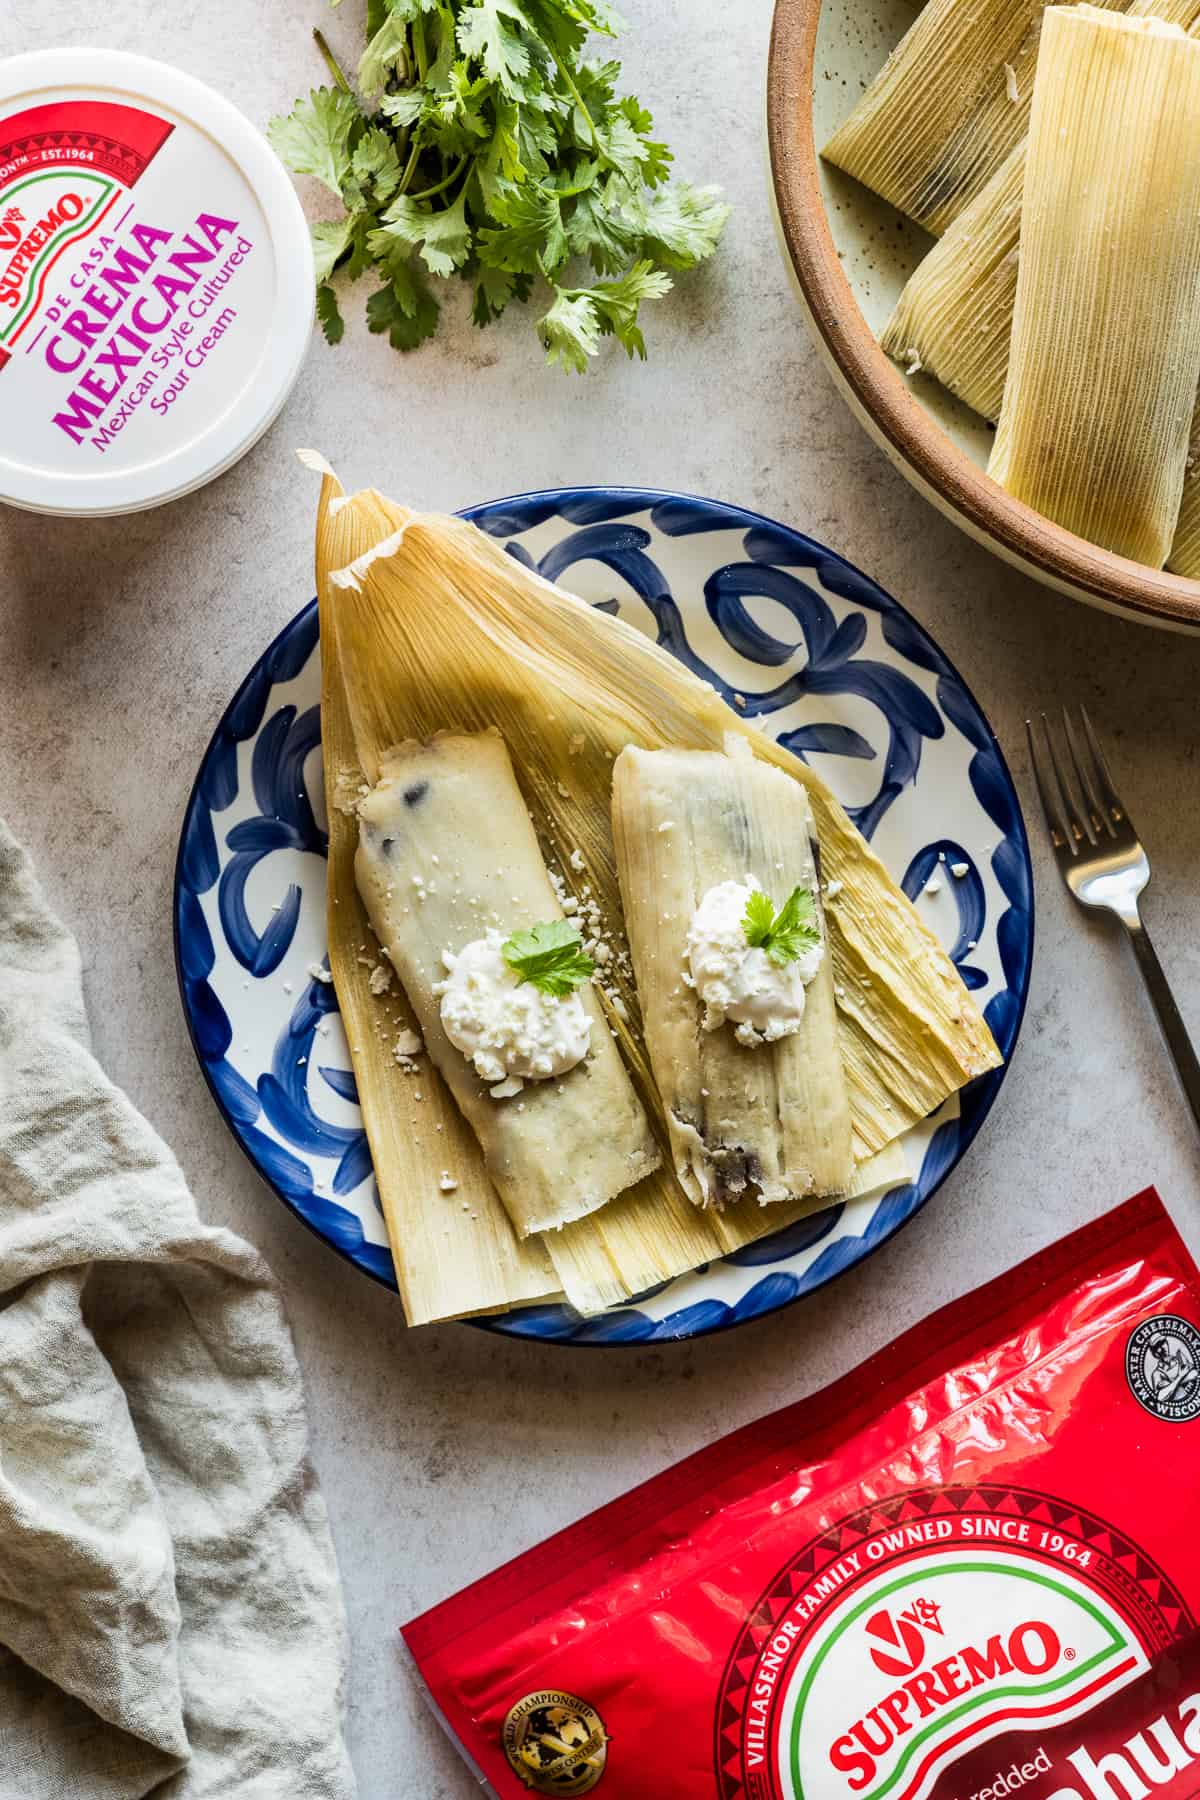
(576, 861)
(959, 869)
(504, 1090)
(317, 973)
(914, 364)
(1010, 83)
(833, 889)
(933, 885)
(447, 1182)
(667, 825)
(380, 979)
(564, 791)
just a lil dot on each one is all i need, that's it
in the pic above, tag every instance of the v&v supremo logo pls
(907, 1649)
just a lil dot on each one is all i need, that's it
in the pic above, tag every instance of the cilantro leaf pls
(405, 309)
(532, 237)
(331, 240)
(681, 225)
(786, 934)
(618, 303)
(571, 330)
(551, 956)
(444, 237)
(331, 321)
(484, 34)
(318, 135)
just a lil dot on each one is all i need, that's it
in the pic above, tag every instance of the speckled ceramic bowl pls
(852, 254)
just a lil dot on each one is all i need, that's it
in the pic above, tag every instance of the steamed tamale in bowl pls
(852, 253)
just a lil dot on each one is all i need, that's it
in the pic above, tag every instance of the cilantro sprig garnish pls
(551, 956)
(786, 934)
(482, 145)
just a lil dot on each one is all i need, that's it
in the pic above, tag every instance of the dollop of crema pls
(735, 980)
(509, 1029)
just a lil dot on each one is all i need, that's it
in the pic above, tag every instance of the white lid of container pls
(156, 283)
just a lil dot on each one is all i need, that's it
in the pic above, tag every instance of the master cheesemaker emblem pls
(1162, 1365)
(556, 1743)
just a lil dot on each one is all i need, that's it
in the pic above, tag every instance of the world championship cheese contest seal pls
(556, 1743)
(1162, 1366)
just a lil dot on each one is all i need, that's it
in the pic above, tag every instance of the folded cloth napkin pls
(170, 1615)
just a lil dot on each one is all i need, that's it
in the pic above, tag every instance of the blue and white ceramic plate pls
(817, 655)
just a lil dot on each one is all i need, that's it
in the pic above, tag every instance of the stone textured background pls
(443, 1452)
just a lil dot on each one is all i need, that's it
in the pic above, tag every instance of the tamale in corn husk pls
(1105, 353)
(954, 317)
(439, 629)
(948, 107)
(772, 1116)
(454, 1252)
(447, 850)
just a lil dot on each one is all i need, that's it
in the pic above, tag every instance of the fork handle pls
(1174, 1029)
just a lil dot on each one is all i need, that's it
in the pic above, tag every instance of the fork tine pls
(1114, 812)
(1093, 806)
(1055, 814)
(1077, 830)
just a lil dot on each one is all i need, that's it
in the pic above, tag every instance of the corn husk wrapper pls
(456, 1252)
(955, 315)
(1105, 353)
(948, 107)
(439, 629)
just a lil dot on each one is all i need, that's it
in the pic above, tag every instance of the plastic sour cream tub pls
(156, 283)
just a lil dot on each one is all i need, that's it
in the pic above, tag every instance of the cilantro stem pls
(418, 38)
(440, 186)
(411, 165)
(331, 61)
(575, 94)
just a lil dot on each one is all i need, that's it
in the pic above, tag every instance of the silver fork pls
(1102, 862)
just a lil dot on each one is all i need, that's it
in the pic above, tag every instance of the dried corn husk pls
(1185, 545)
(954, 317)
(774, 1115)
(454, 1252)
(949, 105)
(1105, 351)
(439, 629)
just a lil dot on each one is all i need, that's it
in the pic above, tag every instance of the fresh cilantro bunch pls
(784, 935)
(480, 144)
(551, 956)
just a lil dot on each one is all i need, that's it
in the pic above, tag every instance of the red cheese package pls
(969, 1569)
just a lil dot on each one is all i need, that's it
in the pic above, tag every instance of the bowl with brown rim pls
(851, 254)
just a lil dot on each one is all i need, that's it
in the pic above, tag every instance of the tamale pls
(774, 1115)
(947, 108)
(1105, 353)
(454, 1253)
(440, 629)
(447, 849)
(954, 317)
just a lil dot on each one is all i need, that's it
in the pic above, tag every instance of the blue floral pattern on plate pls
(796, 640)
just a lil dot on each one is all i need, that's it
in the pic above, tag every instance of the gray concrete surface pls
(444, 1451)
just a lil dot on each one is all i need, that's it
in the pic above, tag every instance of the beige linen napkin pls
(170, 1615)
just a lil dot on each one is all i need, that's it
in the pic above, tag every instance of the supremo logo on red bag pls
(925, 1627)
